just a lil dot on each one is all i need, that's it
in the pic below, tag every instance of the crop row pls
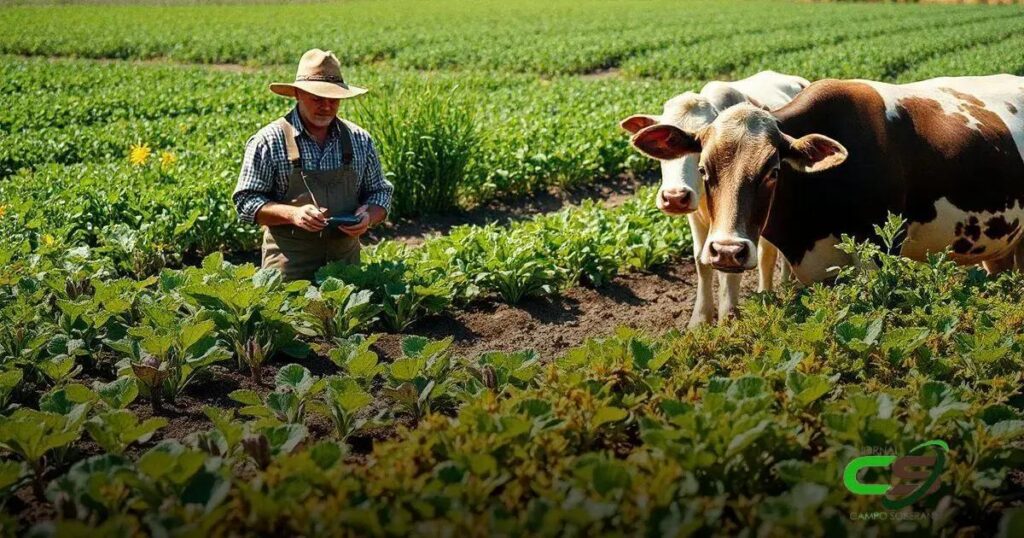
(747, 425)
(887, 57)
(524, 37)
(1002, 56)
(79, 94)
(733, 53)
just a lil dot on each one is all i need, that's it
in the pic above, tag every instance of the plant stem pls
(38, 468)
(156, 399)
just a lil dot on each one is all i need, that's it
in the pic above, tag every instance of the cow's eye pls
(773, 174)
(703, 172)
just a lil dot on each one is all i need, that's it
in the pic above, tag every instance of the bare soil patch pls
(653, 302)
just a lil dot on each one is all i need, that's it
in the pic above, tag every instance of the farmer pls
(308, 166)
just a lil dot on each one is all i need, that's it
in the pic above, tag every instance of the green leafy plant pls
(115, 430)
(403, 295)
(250, 310)
(341, 310)
(354, 356)
(295, 387)
(167, 353)
(342, 400)
(33, 434)
(418, 379)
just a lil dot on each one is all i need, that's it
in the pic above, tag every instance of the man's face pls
(319, 111)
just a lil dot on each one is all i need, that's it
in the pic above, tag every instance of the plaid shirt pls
(265, 168)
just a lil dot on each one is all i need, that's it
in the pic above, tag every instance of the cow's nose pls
(675, 200)
(729, 255)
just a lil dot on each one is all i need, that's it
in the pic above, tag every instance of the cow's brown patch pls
(1011, 108)
(992, 126)
(942, 149)
(927, 115)
(998, 227)
(964, 96)
(903, 164)
(962, 246)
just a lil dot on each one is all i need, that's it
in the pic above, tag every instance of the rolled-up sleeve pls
(376, 189)
(255, 181)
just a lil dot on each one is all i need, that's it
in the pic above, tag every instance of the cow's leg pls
(704, 303)
(998, 265)
(787, 271)
(728, 295)
(767, 255)
(1019, 256)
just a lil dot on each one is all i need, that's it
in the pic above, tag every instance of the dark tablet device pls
(344, 220)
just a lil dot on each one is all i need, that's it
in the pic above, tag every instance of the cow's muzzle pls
(731, 256)
(676, 200)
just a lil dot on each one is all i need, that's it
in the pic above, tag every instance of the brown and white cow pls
(682, 192)
(946, 153)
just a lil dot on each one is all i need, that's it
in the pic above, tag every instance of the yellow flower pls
(48, 240)
(139, 154)
(3, 210)
(167, 159)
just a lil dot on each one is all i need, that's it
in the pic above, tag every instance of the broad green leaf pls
(118, 393)
(605, 415)
(246, 397)
(11, 472)
(192, 333)
(10, 379)
(363, 364)
(294, 377)
(406, 369)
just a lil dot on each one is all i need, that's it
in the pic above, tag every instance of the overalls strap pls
(289, 142)
(346, 143)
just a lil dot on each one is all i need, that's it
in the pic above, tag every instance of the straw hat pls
(319, 73)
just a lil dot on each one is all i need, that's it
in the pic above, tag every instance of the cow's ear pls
(637, 122)
(665, 142)
(813, 153)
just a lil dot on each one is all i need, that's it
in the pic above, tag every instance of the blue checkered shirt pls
(265, 168)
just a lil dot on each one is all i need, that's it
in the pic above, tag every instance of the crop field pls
(499, 363)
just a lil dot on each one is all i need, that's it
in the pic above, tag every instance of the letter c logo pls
(855, 485)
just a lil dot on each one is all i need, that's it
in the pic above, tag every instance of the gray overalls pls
(298, 253)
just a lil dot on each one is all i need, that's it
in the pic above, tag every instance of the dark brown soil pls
(654, 302)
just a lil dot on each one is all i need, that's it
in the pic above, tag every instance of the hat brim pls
(329, 90)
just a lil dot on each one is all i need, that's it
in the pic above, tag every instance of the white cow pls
(682, 191)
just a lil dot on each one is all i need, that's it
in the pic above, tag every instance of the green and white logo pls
(907, 491)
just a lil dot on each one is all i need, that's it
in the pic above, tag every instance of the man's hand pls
(356, 230)
(310, 218)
